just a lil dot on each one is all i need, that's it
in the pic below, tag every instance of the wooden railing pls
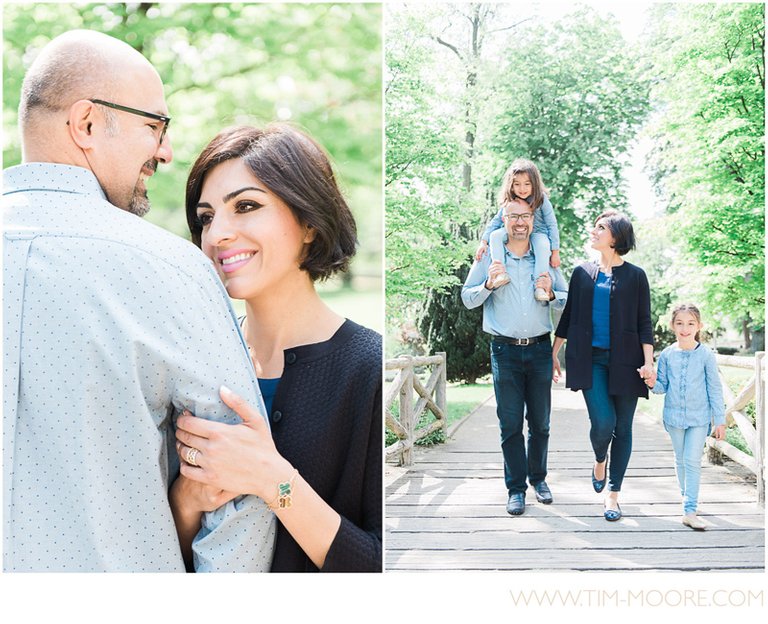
(754, 435)
(430, 396)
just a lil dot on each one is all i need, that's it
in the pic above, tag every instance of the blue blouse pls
(268, 389)
(601, 312)
(694, 394)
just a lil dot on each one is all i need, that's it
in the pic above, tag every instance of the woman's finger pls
(190, 439)
(250, 416)
(190, 455)
(198, 426)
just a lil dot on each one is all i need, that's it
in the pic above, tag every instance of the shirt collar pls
(505, 240)
(41, 176)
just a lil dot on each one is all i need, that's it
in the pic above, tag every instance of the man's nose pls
(164, 152)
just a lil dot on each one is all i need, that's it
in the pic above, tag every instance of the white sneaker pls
(693, 521)
(501, 279)
(540, 295)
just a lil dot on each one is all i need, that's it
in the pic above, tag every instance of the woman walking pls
(607, 323)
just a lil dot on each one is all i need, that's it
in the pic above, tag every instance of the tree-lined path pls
(447, 512)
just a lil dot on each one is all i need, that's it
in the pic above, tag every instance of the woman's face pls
(254, 240)
(601, 237)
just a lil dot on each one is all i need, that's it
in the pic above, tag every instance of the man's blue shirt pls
(511, 310)
(112, 327)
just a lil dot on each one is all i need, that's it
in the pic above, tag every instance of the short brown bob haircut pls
(621, 229)
(296, 169)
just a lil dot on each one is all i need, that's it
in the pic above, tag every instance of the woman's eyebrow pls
(233, 194)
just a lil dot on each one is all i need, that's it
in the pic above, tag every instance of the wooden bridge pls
(447, 510)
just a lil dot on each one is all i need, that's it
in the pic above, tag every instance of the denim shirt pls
(690, 380)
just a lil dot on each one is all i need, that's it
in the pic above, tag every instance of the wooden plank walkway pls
(448, 511)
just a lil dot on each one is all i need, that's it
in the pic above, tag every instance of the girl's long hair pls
(519, 166)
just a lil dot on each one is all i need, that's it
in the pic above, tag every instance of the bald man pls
(112, 328)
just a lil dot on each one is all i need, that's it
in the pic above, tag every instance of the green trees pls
(315, 65)
(568, 96)
(709, 160)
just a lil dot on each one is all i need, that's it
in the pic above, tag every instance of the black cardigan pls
(326, 421)
(630, 320)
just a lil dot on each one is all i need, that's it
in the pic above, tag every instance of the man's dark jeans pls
(522, 381)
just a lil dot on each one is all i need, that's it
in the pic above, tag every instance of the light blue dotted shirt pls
(511, 310)
(112, 326)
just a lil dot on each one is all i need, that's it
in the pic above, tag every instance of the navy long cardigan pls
(630, 320)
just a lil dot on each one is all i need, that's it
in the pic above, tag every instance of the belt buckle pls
(524, 342)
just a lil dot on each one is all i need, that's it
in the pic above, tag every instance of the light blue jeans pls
(688, 445)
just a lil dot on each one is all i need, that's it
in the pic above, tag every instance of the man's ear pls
(80, 123)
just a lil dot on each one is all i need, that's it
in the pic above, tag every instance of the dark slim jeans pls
(611, 418)
(522, 381)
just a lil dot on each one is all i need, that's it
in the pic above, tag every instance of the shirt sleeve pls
(660, 387)
(206, 350)
(644, 325)
(714, 390)
(474, 293)
(359, 548)
(493, 224)
(550, 221)
(565, 318)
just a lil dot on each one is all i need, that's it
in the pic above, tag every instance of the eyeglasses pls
(523, 216)
(135, 111)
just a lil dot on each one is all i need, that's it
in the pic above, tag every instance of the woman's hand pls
(556, 372)
(647, 374)
(719, 432)
(556, 346)
(481, 249)
(234, 458)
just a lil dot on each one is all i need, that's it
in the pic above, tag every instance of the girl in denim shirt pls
(687, 372)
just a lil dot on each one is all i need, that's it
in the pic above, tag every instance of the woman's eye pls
(204, 219)
(247, 206)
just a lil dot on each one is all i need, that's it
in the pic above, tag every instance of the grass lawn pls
(463, 398)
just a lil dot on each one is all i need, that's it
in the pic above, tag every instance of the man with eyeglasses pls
(521, 355)
(112, 328)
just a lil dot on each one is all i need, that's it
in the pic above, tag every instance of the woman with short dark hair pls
(607, 323)
(264, 206)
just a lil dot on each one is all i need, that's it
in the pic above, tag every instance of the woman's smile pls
(234, 259)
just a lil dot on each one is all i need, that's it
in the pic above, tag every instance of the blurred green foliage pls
(315, 65)
(708, 74)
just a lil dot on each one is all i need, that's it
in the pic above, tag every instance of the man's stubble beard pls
(139, 204)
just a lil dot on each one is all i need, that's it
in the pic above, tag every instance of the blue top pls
(268, 389)
(544, 221)
(690, 380)
(511, 310)
(601, 312)
(112, 327)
